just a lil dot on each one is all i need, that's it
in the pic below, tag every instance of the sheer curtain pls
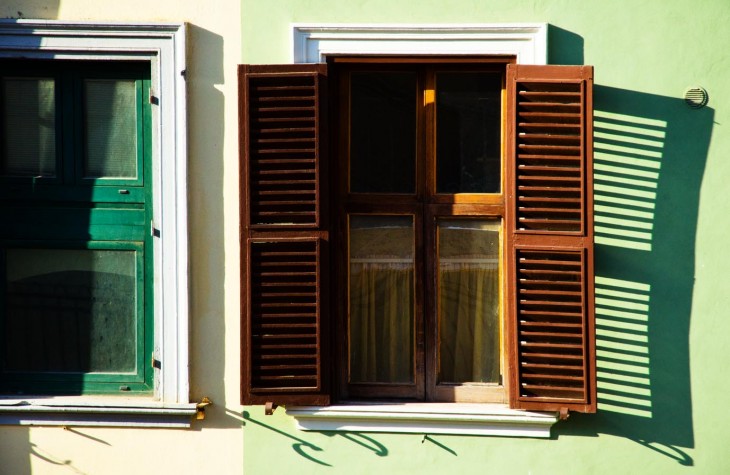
(381, 304)
(468, 300)
(469, 323)
(381, 321)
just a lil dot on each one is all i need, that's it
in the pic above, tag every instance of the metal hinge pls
(154, 100)
(200, 408)
(153, 230)
(269, 408)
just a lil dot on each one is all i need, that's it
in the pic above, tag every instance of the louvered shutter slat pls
(549, 238)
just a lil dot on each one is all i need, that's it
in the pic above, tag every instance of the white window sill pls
(425, 418)
(110, 411)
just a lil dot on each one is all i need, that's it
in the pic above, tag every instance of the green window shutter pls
(549, 234)
(284, 238)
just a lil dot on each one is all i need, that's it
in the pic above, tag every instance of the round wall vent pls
(695, 97)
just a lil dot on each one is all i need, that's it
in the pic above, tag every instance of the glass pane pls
(381, 299)
(468, 293)
(70, 311)
(111, 128)
(29, 120)
(383, 132)
(468, 131)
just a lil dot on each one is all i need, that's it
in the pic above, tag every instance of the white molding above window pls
(313, 42)
(163, 45)
(425, 418)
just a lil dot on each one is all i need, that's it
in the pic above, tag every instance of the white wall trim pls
(163, 45)
(110, 411)
(425, 418)
(313, 42)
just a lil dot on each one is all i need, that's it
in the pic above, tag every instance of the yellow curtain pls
(468, 323)
(381, 322)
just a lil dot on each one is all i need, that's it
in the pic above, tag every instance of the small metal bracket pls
(270, 408)
(154, 230)
(200, 408)
(564, 414)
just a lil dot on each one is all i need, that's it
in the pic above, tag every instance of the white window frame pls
(312, 43)
(163, 45)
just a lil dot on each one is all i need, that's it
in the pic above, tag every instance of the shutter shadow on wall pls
(283, 234)
(549, 233)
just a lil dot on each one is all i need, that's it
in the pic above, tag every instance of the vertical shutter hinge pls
(153, 230)
(154, 100)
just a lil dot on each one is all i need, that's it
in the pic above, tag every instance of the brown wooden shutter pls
(549, 233)
(284, 235)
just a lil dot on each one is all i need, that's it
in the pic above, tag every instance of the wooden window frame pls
(531, 232)
(425, 205)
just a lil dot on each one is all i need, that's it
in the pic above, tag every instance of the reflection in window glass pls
(111, 128)
(29, 127)
(381, 299)
(468, 131)
(383, 132)
(468, 301)
(70, 311)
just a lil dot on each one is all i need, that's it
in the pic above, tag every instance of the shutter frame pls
(549, 233)
(292, 235)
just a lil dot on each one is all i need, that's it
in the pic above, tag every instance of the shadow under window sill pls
(425, 418)
(99, 411)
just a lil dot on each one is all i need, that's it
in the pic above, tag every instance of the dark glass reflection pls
(70, 311)
(383, 132)
(468, 129)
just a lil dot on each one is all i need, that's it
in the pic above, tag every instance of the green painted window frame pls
(69, 77)
(69, 211)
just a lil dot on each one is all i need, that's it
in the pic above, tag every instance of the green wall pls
(661, 218)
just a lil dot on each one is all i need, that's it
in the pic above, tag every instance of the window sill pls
(97, 411)
(425, 418)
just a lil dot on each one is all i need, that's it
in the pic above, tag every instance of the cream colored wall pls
(213, 446)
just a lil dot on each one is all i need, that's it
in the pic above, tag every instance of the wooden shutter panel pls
(549, 232)
(284, 235)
